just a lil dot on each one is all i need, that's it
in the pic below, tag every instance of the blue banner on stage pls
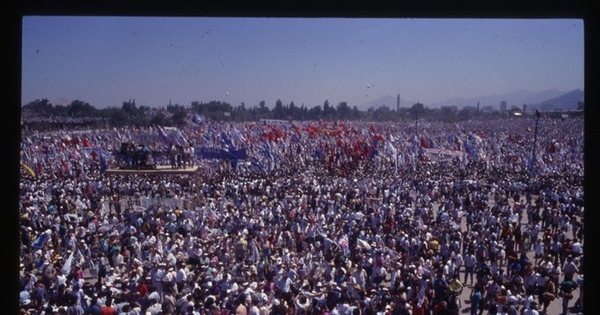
(218, 153)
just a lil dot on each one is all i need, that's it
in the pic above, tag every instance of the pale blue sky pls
(156, 60)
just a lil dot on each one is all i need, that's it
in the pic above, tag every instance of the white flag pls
(66, 268)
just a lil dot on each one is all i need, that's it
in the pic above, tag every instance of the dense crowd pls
(324, 218)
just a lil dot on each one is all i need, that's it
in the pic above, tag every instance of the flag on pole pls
(363, 244)
(425, 143)
(237, 136)
(227, 140)
(66, 268)
(343, 243)
(163, 134)
(198, 119)
(180, 139)
(28, 169)
(40, 241)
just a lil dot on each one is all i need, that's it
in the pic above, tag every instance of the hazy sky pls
(105, 61)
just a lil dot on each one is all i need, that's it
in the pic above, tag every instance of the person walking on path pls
(579, 301)
(477, 299)
(570, 269)
(547, 294)
(470, 262)
(566, 292)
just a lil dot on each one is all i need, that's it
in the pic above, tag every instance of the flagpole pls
(416, 125)
(537, 118)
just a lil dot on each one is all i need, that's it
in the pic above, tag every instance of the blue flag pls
(103, 165)
(198, 119)
(227, 140)
(40, 241)
(258, 165)
(218, 153)
(163, 135)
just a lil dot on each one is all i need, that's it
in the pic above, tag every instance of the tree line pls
(42, 113)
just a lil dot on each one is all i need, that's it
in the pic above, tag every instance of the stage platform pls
(160, 169)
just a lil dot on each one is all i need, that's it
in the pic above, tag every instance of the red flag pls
(86, 143)
(424, 142)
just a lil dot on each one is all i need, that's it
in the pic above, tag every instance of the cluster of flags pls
(64, 155)
(267, 145)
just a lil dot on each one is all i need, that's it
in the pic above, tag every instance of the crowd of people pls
(338, 218)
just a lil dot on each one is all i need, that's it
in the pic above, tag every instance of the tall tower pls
(398, 103)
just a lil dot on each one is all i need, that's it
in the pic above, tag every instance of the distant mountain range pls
(547, 99)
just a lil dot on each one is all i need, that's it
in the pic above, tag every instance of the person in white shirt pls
(530, 309)
(450, 268)
(181, 277)
(254, 310)
(157, 280)
(184, 302)
(575, 247)
(539, 248)
(361, 276)
(458, 260)
(570, 268)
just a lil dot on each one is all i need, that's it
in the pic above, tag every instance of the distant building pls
(487, 109)
(472, 109)
(503, 106)
(449, 108)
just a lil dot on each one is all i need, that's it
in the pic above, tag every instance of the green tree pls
(343, 110)
(418, 109)
(81, 109)
(315, 113)
(116, 117)
(159, 119)
(129, 107)
(278, 110)
(42, 107)
(328, 111)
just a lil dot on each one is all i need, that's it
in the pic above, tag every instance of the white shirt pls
(530, 312)
(470, 260)
(576, 247)
(459, 259)
(181, 275)
(254, 310)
